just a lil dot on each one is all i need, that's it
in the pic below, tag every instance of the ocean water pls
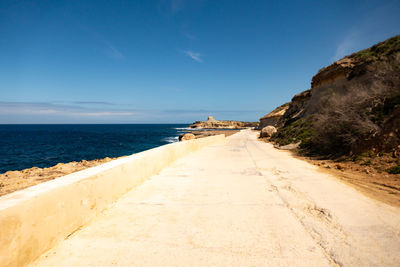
(26, 146)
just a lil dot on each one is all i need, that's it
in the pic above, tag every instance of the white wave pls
(171, 139)
(182, 129)
(191, 129)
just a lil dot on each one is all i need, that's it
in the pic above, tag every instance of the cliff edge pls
(353, 106)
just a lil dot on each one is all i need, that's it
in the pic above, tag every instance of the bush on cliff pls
(345, 120)
(300, 130)
(344, 124)
(382, 49)
(353, 107)
(394, 169)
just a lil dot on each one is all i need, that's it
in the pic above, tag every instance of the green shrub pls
(300, 130)
(369, 154)
(366, 163)
(349, 119)
(384, 48)
(394, 169)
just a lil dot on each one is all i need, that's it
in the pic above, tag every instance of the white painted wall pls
(33, 220)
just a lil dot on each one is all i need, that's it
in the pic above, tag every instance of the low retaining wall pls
(33, 220)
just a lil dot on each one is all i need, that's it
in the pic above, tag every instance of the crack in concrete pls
(321, 214)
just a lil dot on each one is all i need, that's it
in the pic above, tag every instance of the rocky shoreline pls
(16, 180)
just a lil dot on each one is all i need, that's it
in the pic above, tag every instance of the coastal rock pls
(268, 131)
(296, 108)
(16, 180)
(273, 117)
(289, 146)
(186, 136)
(212, 123)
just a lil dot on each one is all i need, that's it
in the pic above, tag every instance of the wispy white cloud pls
(186, 31)
(93, 103)
(190, 36)
(347, 45)
(102, 113)
(32, 108)
(47, 111)
(35, 112)
(102, 43)
(195, 56)
(375, 26)
(112, 52)
(170, 7)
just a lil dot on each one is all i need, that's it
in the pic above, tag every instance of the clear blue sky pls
(173, 61)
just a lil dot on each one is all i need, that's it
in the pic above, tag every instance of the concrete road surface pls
(237, 203)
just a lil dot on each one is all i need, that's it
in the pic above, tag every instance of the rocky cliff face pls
(353, 104)
(272, 118)
(296, 108)
(211, 123)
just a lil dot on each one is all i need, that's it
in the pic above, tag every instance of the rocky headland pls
(205, 133)
(212, 126)
(212, 123)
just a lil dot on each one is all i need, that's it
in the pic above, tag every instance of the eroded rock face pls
(186, 136)
(212, 123)
(267, 131)
(353, 104)
(273, 117)
(341, 69)
(296, 109)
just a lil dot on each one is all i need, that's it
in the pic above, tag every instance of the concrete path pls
(237, 203)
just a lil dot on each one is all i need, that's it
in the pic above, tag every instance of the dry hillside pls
(352, 108)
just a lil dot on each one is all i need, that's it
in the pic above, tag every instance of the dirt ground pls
(367, 173)
(369, 180)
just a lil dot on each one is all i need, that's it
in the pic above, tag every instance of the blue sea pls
(26, 146)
